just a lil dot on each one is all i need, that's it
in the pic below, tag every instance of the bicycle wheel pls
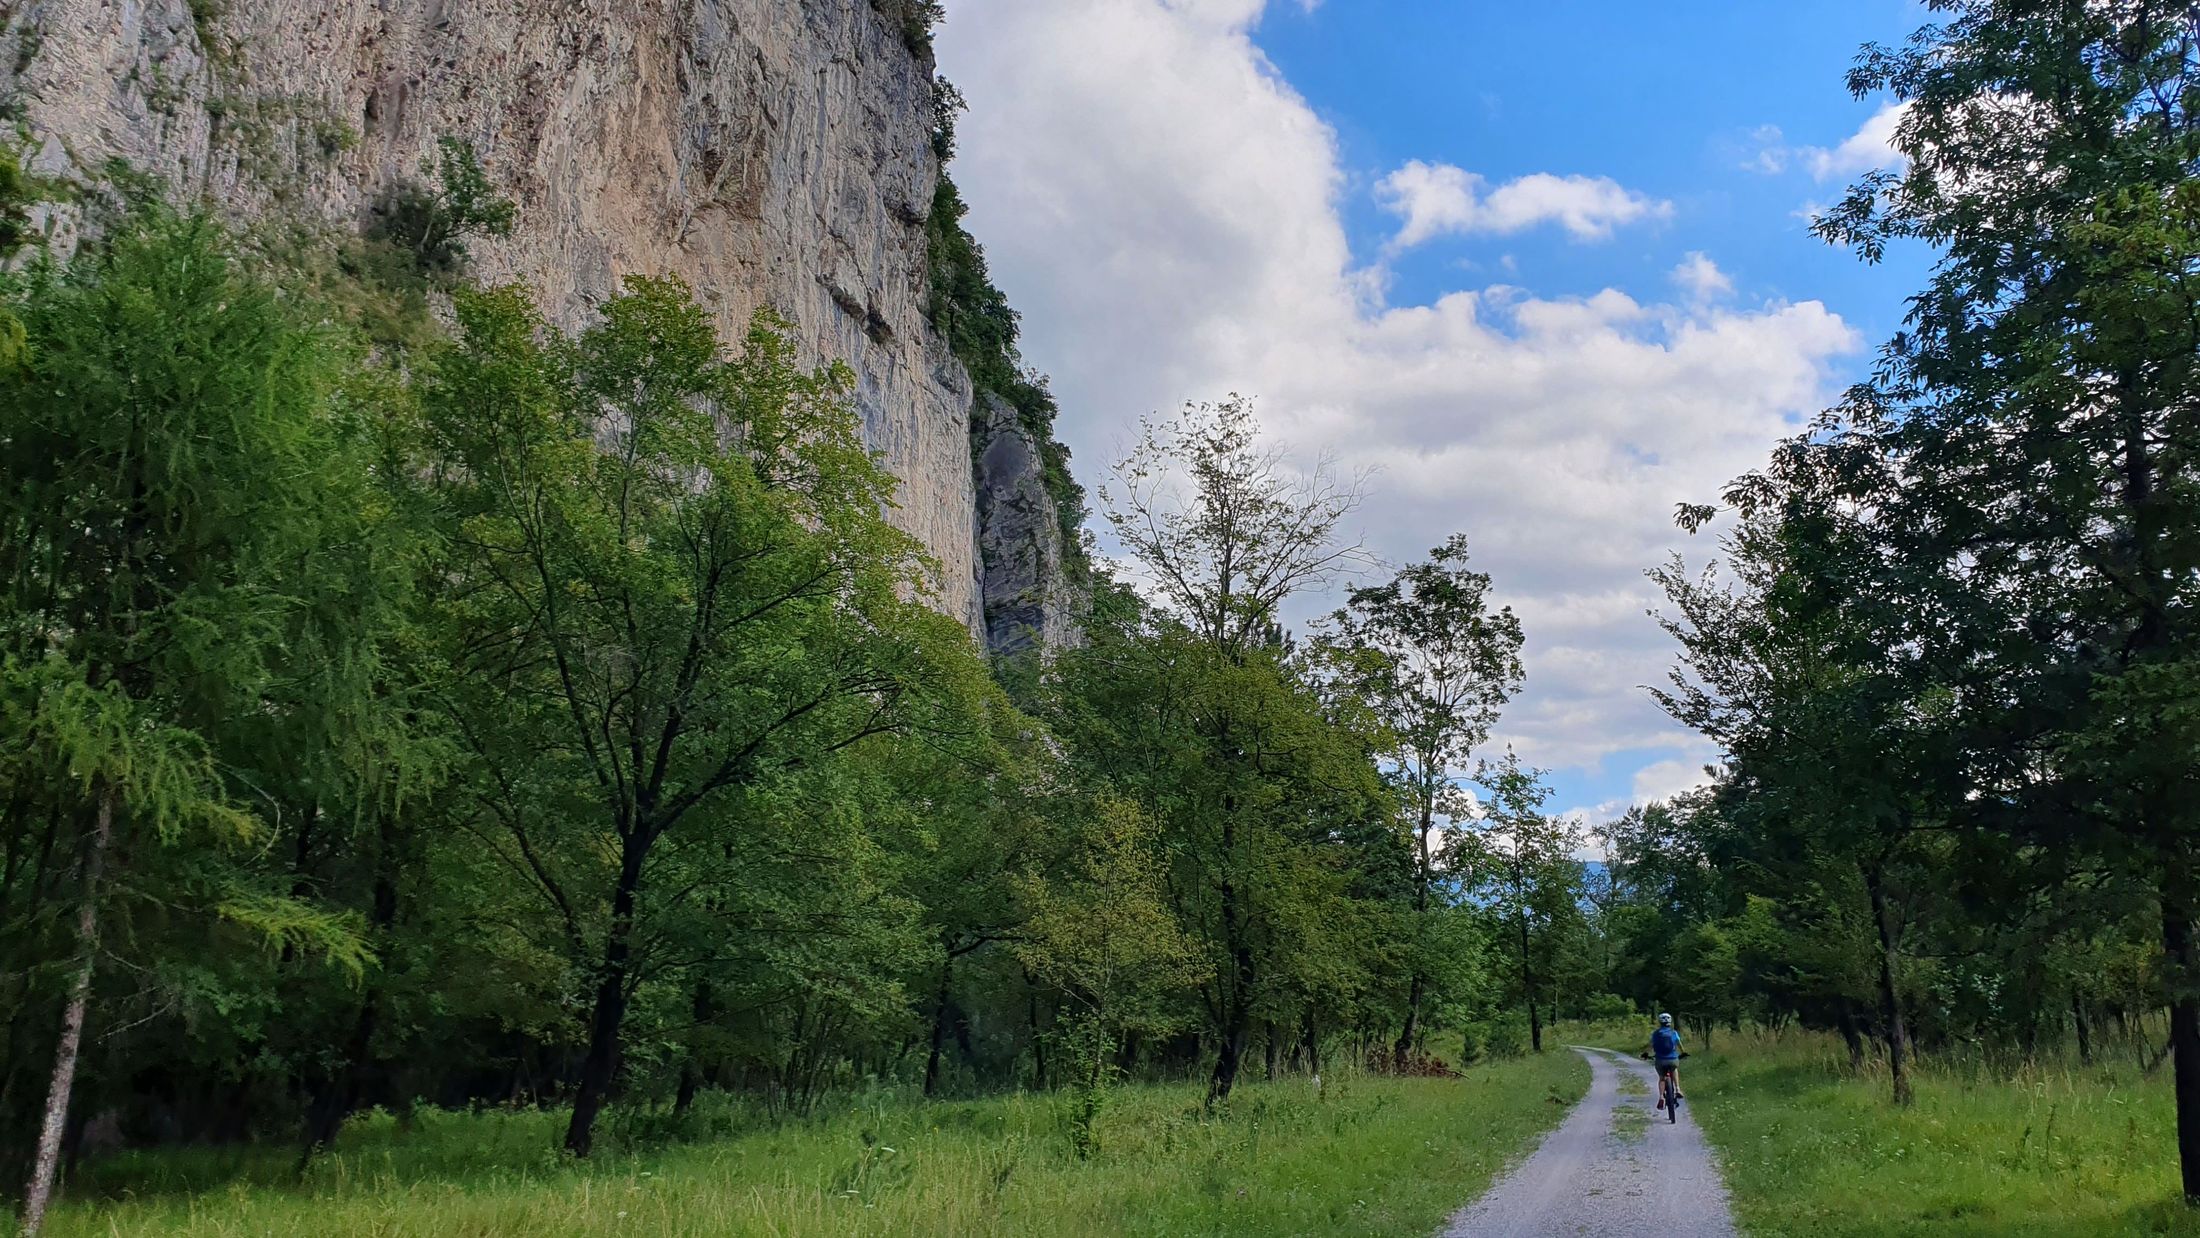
(1672, 1104)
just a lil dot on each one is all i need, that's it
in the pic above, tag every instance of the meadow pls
(1364, 1155)
(1812, 1149)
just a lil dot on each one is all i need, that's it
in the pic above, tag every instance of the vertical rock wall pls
(1026, 591)
(766, 151)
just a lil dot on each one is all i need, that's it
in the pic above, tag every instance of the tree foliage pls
(1962, 643)
(458, 711)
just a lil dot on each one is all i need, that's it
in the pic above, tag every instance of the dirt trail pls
(1616, 1166)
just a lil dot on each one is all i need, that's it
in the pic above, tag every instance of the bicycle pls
(1669, 1095)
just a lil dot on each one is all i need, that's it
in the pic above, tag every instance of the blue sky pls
(1544, 268)
(1668, 100)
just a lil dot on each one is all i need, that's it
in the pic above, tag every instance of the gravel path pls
(1606, 1170)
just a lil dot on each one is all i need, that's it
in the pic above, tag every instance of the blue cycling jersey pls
(1665, 1045)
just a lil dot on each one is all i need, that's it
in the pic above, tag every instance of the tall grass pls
(1991, 1147)
(1363, 1155)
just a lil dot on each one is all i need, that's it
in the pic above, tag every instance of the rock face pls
(1028, 600)
(769, 152)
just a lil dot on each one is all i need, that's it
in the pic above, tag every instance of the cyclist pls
(1665, 1050)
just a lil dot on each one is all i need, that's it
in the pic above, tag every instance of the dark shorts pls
(1667, 1068)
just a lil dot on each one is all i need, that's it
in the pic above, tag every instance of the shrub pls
(434, 223)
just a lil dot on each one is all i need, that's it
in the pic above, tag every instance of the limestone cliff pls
(767, 151)
(1030, 600)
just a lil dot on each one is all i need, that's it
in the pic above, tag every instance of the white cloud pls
(1702, 278)
(1437, 199)
(1165, 211)
(1871, 146)
(1667, 779)
(1771, 153)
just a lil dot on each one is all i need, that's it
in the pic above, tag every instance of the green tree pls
(1522, 861)
(1103, 933)
(674, 594)
(174, 459)
(1436, 663)
(433, 224)
(1706, 978)
(1200, 713)
(2041, 405)
(1818, 668)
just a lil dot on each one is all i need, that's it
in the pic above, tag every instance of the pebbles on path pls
(1604, 1172)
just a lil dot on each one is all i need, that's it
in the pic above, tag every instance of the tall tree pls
(1436, 662)
(1227, 532)
(175, 468)
(1817, 665)
(675, 589)
(2045, 403)
(1522, 861)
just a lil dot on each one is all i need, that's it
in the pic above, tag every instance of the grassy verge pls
(1625, 1035)
(1810, 1149)
(1370, 1156)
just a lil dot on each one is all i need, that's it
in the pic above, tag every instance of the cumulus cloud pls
(1663, 780)
(1165, 210)
(1871, 146)
(1436, 199)
(1701, 277)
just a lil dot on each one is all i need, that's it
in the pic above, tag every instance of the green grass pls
(1625, 1035)
(1810, 1149)
(1369, 1156)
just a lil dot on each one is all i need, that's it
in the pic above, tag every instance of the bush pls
(1605, 1007)
(1492, 1038)
(915, 19)
(434, 223)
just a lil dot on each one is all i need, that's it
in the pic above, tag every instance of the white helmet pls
(1665, 1020)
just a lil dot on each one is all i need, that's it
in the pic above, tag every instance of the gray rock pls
(766, 151)
(1028, 600)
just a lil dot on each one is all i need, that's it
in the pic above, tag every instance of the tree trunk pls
(1852, 1036)
(2184, 1037)
(1890, 996)
(325, 1116)
(2085, 1030)
(691, 1070)
(1527, 987)
(1038, 1040)
(600, 1068)
(1237, 1027)
(1421, 878)
(1527, 967)
(1238, 1002)
(939, 1030)
(39, 1194)
(1228, 1057)
(1404, 1047)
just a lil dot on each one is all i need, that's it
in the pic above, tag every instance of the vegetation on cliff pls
(976, 320)
(915, 20)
